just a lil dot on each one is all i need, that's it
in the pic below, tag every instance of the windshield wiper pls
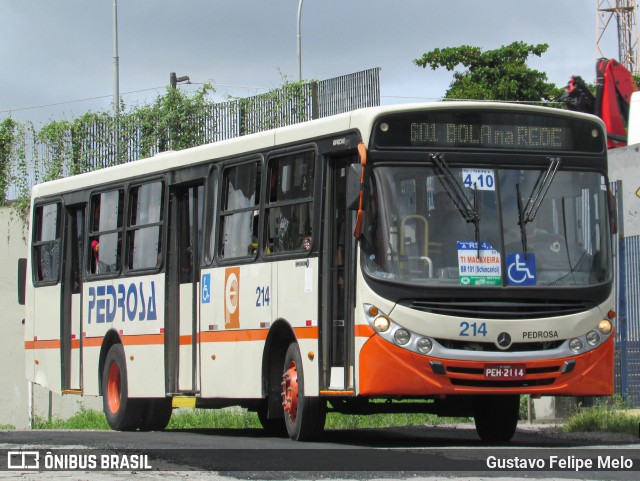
(457, 195)
(539, 191)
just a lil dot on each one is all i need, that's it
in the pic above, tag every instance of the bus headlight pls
(388, 329)
(381, 323)
(576, 345)
(593, 338)
(424, 345)
(605, 326)
(402, 336)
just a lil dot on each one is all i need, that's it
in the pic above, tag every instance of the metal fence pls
(100, 142)
(627, 306)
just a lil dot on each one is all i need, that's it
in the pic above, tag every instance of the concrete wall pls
(624, 165)
(14, 394)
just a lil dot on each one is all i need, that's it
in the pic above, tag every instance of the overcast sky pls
(59, 51)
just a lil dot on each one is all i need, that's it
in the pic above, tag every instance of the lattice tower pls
(623, 15)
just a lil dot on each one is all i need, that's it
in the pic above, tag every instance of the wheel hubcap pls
(290, 391)
(114, 388)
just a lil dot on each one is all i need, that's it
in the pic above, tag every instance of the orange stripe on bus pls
(209, 336)
(306, 332)
(363, 330)
(47, 344)
(92, 341)
(232, 336)
(143, 339)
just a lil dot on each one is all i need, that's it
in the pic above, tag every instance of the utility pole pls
(174, 79)
(299, 41)
(116, 63)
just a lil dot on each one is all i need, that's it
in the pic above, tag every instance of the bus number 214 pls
(262, 294)
(473, 329)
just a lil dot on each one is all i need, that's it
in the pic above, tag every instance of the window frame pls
(221, 213)
(92, 234)
(35, 244)
(129, 229)
(267, 205)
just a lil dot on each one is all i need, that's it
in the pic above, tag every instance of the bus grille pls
(482, 308)
(518, 383)
(491, 347)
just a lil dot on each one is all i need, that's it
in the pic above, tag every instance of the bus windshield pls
(529, 228)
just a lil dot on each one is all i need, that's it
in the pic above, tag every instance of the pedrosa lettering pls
(122, 302)
(540, 335)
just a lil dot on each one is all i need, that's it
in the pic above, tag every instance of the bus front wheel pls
(157, 414)
(122, 412)
(496, 417)
(304, 416)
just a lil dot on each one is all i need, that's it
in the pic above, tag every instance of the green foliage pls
(238, 418)
(55, 136)
(168, 124)
(228, 418)
(523, 413)
(83, 419)
(500, 74)
(8, 129)
(608, 415)
(284, 106)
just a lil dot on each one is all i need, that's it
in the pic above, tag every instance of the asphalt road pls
(425, 452)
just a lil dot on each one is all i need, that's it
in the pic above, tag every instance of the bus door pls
(71, 318)
(338, 281)
(182, 320)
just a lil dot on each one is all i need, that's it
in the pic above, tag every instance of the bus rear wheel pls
(122, 412)
(496, 417)
(304, 416)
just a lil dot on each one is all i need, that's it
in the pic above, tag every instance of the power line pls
(102, 97)
(66, 102)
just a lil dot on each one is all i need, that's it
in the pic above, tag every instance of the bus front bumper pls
(386, 369)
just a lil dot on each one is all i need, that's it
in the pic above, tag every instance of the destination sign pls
(490, 136)
(483, 129)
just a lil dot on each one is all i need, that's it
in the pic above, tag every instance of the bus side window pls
(289, 208)
(46, 243)
(105, 232)
(239, 208)
(144, 232)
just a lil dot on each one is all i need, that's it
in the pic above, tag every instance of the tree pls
(500, 74)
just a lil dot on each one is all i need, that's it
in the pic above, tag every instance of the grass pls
(8, 427)
(607, 416)
(237, 418)
(228, 418)
(83, 419)
(611, 416)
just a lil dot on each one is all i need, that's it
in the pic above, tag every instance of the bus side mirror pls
(354, 175)
(22, 280)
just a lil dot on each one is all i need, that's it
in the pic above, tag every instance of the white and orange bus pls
(453, 253)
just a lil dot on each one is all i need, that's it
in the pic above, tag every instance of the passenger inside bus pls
(95, 251)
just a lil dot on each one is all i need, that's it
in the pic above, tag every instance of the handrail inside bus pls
(357, 230)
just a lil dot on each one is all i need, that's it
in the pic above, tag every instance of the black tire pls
(272, 427)
(496, 417)
(122, 412)
(307, 420)
(156, 414)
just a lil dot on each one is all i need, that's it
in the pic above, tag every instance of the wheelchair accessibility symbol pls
(521, 269)
(206, 288)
